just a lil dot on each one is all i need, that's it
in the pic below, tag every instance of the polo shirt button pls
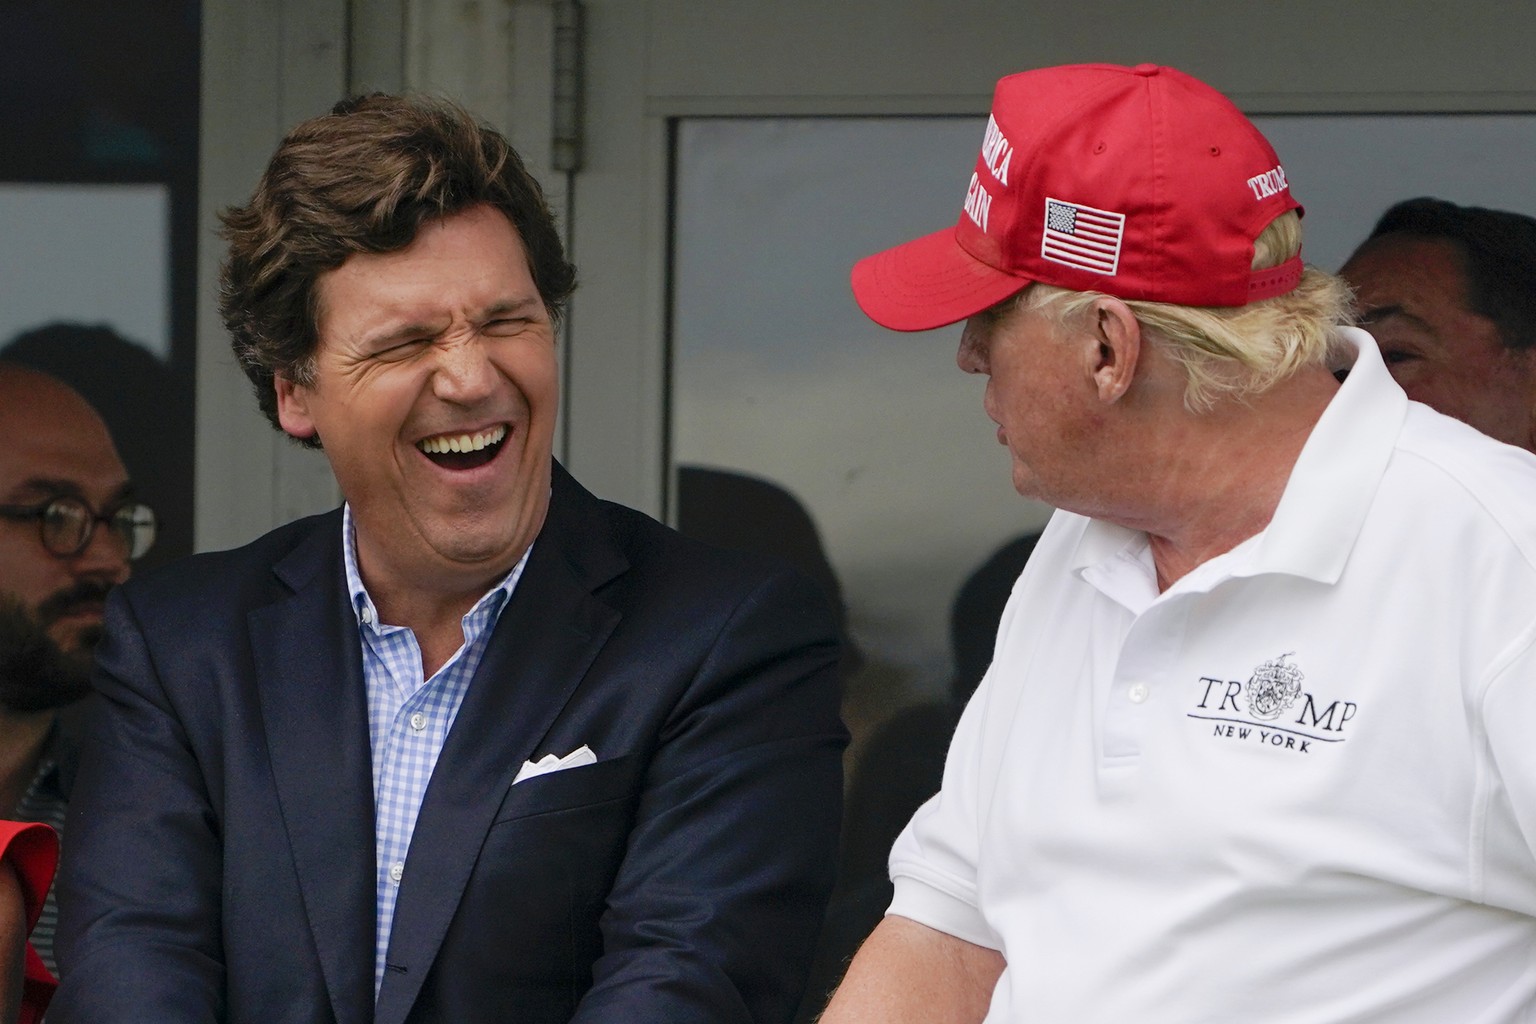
(1137, 693)
(397, 871)
(418, 721)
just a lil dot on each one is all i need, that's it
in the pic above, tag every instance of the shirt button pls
(367, 616)
(418, 721)
(397, 871)
(1137, 693)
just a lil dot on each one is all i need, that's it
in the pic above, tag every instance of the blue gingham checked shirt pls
(408, 720)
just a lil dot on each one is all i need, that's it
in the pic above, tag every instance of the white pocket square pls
(550, 763)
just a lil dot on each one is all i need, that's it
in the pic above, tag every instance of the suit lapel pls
(310, 680)
(547, 636)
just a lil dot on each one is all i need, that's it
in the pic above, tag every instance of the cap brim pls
(928, 282)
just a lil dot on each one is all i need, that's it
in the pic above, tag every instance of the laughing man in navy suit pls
(477, 746)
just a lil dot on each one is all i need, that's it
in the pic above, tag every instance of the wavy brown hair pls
(365, 178)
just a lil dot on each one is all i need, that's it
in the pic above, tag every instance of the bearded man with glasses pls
(69, 526)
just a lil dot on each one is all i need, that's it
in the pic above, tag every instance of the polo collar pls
(1335, 480)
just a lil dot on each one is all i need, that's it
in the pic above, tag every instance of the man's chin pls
(36, 673)
(77, 638)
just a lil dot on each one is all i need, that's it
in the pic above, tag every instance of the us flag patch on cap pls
(1082, 237)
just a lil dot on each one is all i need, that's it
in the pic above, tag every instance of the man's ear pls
(293, 408)
(1118, 334)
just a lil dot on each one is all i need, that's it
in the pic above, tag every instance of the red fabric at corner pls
(33, 850)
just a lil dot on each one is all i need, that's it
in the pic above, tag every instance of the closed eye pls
(503, 327)
(401, 349)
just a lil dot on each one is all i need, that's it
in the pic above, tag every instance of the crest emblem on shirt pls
(1271, 709)
(1273, 688)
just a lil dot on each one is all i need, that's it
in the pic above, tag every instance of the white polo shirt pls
(1300, 785)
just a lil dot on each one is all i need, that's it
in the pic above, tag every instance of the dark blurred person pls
(1449, 292)
(147, 406)
(60, 481)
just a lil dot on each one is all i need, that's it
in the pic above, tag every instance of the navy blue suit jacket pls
(220, 864)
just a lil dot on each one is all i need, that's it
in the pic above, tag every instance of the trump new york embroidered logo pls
(1260, 710)
(1082, 237)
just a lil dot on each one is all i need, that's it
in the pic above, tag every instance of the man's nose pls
(104, 557)
(972, 356)
(464, 374)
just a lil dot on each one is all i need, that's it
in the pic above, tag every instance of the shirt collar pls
(1330, 490)
(1335, 480)
(362, 603)
(55, 766)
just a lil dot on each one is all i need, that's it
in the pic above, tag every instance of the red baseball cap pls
(1142, 183)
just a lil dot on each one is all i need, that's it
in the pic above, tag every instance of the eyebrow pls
(498, 309)
(1379, 313)
(54, 487)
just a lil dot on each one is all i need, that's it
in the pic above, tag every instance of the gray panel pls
(1348, 169)
(266, 65)
(777, 373)
(916, 55)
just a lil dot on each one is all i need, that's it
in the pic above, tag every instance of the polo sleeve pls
(1507, 874)
(934, 862)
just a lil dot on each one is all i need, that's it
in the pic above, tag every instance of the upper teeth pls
(444, 443)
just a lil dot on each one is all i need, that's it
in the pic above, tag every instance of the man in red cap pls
(1252, 744)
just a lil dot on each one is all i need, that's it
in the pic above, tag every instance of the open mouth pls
(464, 451)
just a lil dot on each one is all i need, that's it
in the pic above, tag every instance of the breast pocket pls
(571, 788)
(541, 882)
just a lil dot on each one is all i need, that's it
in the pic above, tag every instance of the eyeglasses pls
(68, 524)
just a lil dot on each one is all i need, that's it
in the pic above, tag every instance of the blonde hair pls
(1232, 352)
